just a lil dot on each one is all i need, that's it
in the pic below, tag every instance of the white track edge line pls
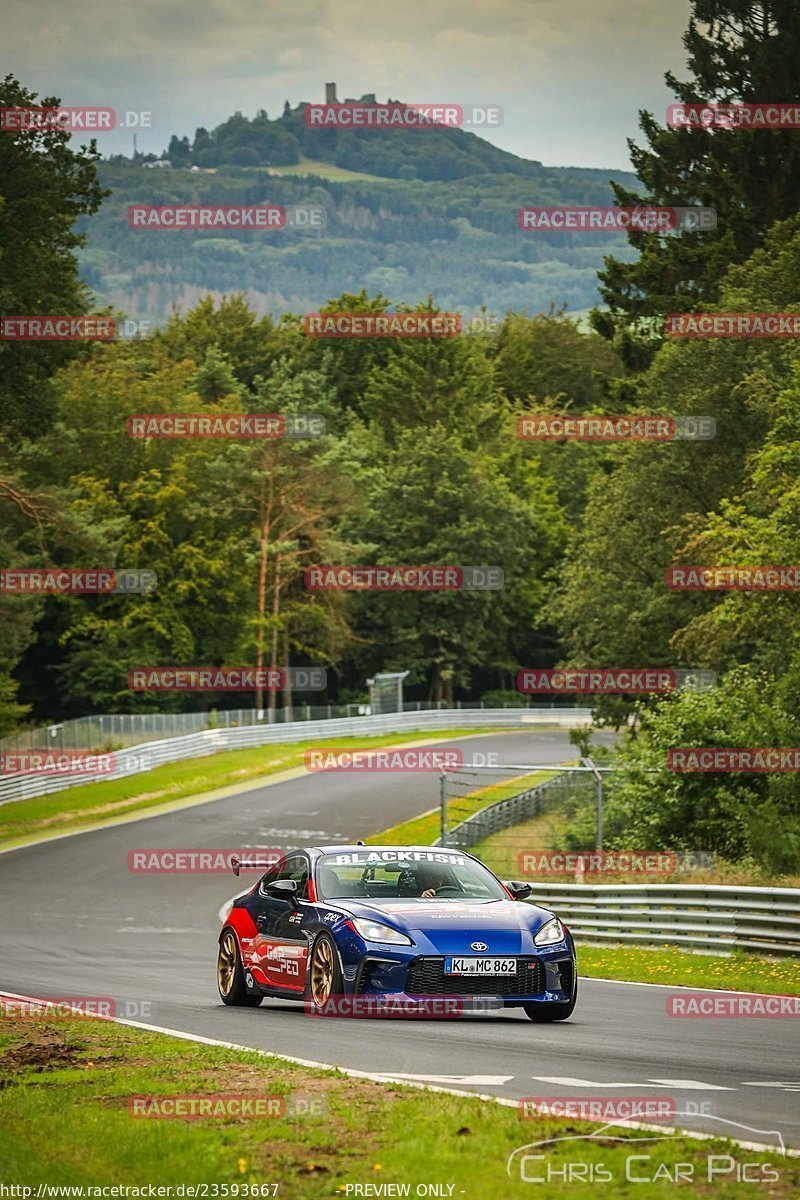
(375, 1077)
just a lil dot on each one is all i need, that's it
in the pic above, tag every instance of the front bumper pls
(545, 978)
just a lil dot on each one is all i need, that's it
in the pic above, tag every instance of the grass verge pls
(65, 1119)
(739, 973)
(425, 829)
(97, 803)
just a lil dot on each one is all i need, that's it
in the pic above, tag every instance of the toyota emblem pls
(478, 946)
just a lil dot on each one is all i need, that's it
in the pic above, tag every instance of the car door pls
(280, 951)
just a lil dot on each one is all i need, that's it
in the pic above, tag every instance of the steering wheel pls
(441, 891)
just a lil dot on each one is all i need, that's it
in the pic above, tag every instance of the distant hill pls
(429, 154)
(411, 214)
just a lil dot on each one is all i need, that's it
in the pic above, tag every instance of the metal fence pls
(508, 812)
(145, 756)
(711, 917)
(115, 731)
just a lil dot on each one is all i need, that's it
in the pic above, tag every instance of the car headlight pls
(374, 931)
(550, 933)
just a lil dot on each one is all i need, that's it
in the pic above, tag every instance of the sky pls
(569, 75)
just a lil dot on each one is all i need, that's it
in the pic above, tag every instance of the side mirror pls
(519, 891)
(283, 889)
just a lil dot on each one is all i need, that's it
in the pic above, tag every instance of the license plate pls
(480, 966)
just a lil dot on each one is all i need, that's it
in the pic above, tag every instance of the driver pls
(429, 880)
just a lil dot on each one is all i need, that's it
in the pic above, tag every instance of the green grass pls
(65, 1120)
(740, 972)
(97, 803)
(423, 830)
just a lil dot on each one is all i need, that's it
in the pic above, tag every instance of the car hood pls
(510, 917)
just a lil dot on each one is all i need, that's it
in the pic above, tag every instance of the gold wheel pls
(226, 964)
(322, 972)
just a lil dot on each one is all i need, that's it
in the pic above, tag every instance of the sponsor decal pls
(375, 857)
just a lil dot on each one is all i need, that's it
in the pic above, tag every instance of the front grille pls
(426, 977)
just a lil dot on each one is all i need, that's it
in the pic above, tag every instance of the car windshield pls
(405, 874)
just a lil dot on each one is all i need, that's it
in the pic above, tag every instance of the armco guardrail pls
(505, 813)
(710, 917)
(147, 755)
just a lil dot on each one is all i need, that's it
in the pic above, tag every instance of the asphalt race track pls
(78, 922)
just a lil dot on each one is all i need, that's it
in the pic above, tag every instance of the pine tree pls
(738, 51)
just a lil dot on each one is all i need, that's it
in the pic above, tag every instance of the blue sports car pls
(360, 926)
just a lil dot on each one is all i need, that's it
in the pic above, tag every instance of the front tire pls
(324, 973)
(230, 974)
(542, 1013)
